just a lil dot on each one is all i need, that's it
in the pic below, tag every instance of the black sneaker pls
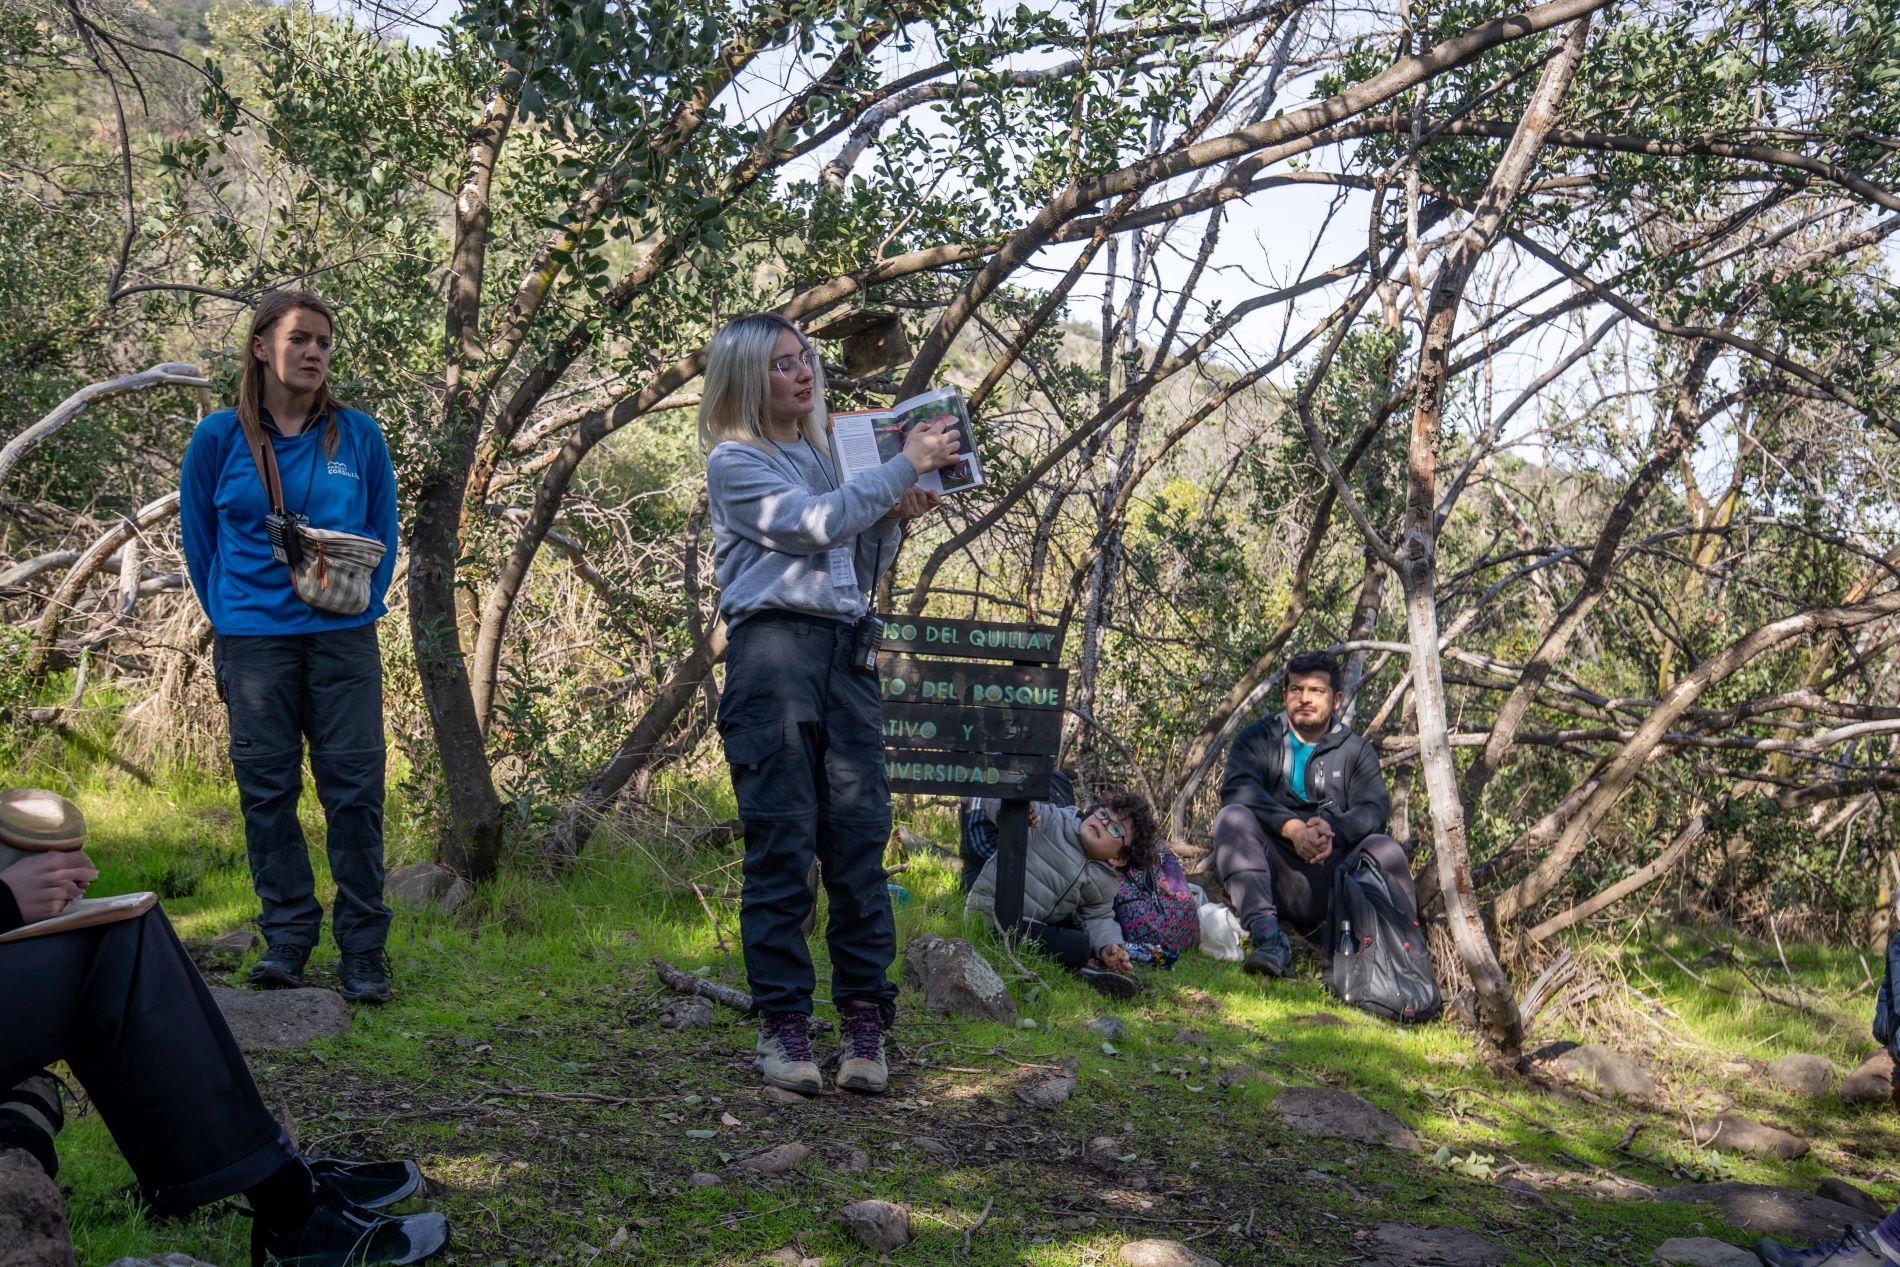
(365, 976)
(1271, 956)
(338, 1234)
(281, 968)
(369, 1184)
(1116, 985)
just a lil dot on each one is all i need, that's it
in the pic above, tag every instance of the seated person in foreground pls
(1303, 794)
(1072, 872)
(124, 1006)
(1857, 1247)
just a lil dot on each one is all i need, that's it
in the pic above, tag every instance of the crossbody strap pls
(265, 456)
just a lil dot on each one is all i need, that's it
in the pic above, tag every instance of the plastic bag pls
(1220, 932)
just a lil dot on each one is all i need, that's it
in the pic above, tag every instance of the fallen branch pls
(683, 982)
(167, 374)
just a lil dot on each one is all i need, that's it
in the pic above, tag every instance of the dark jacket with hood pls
(1343, 783)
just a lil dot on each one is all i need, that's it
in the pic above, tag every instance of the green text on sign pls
(959, 774)
(1012, 730)
(973, 639)
(907, 681)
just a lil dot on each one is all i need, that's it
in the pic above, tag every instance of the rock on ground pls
(1109, 1028)
(879, 1224)
(1403, 1245)
(161, 1260)
(1871, 1082)
(1811, 1076)
(425, 883)
(1837, 1189)
(1163, 1253)
(262, 1020)
(1703, 1251)
(691, 1012)
(956, 978)
(1333, 1114)
(1736, 1134)
(32, 1216)
(774, 1161)
(1595, 1064)
(700, 1179)
(1328, 1019)
(1053, 1089)
(222, 954)
(1783, 1213)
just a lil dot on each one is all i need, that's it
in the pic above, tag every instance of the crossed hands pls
(1312, 839)
(44, 884)
(1115, 959)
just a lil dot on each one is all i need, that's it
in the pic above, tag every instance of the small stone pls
(1871, 1082)
(935, 1147)
(1105, 1148)
(1787, 1214)
(32, 1215)
(222, 954)
(425, 883)
(1811, 1076)
(1333, 1114)
(1404, 1245)
(779, 1095)
(265, 1020)
(879, 1224)
(1523, 1191)
(1052, 1089)
(1190, 1038)
(856, 1162)
(1326, 1019)
(956, 978)
(700, 1179)
(1234, 1075)
(1162, 1253)
(1733, 1133)
(1703, 1251)
(691, 1012)
(1837, 1189)
(774, 1161)
(1110, 1028)
(1595, 1064)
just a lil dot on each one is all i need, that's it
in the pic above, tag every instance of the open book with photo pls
(84, 912)
(865, 438)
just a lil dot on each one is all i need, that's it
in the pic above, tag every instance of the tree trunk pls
(471, 842)
(1498, 1018)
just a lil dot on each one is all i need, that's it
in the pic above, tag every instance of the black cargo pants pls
(803, 732)
(325, 688)
(125, 1007)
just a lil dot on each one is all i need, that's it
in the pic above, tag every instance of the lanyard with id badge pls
(841, 563)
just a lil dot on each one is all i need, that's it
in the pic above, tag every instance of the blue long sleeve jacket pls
(221, 509)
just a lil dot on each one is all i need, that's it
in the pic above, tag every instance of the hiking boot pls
(338, 1234)
(1272, 953)
(1116, 985)
(1858, 1248)
(785, 1056)
(364, 975)
(861, 1064)
(281, 968)
(368, 1184)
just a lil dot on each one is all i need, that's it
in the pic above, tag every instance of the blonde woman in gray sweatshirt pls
(796, 553)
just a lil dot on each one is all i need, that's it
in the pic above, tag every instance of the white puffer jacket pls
(1061, 884)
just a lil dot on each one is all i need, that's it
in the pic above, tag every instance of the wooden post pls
(1012, 860)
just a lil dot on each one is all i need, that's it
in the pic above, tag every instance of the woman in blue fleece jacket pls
(288, 673)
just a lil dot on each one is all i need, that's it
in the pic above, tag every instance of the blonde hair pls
(265, 313)
(738, 384)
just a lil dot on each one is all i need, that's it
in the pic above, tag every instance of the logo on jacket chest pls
(338, 467)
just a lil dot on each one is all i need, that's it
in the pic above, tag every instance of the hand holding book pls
(933, 444)
(44, 884)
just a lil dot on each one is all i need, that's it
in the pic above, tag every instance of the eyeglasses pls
(1109, 824)
(788, 365)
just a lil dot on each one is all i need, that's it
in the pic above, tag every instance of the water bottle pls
(1345, 946)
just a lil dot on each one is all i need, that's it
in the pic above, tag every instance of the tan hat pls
(39, 821)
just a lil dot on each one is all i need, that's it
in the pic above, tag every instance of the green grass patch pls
(520, 1062)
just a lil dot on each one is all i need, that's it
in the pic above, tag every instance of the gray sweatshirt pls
(776, 516)
(1061, 883)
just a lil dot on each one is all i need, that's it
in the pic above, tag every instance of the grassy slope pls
(544, 988)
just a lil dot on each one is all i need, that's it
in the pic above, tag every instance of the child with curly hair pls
(1072, 874)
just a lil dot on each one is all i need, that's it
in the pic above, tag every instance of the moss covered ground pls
(521, 1063)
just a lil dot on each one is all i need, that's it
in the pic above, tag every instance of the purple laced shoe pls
(861, 1065)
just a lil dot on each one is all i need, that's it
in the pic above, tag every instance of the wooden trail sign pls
(957, 728)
